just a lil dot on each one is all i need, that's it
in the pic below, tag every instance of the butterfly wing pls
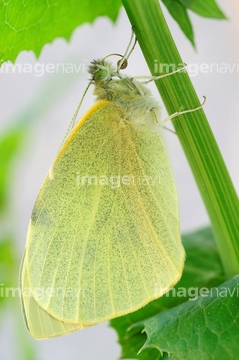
(104, 235)
(40, 323)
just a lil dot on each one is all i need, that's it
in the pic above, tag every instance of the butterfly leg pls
(170, 117)
(156, 118)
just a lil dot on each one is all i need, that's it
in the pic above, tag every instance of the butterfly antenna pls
(73, 120)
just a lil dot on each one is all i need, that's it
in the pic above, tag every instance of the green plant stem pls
(193, 130)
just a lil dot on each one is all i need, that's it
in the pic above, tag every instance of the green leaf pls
(29, 25)
(202, 269)
(180, 15)
(205, 329)
(204, 8)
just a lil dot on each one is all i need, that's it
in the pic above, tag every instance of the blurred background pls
(39, 106)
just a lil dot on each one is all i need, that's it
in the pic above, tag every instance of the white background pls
(59, 94)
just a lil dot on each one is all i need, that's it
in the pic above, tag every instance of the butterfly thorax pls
(131, 96)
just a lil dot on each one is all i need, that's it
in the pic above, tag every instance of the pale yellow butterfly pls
(104, 236)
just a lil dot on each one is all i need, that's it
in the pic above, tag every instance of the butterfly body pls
(104, 236)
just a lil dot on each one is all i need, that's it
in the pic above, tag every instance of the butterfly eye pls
(122, 65)
(101, 74)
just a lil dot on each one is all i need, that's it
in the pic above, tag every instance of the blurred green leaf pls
(7, 254)
(180, 15)
(7, 267)
(179, 11)
(10, 143)
(29, 25)
(202, 269)
(204, 8)
(9, 297)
